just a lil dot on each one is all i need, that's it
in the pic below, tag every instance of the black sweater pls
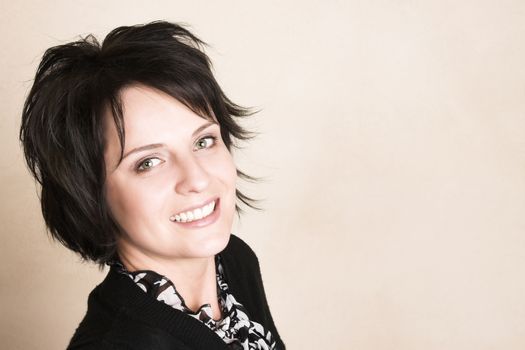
(121, 316)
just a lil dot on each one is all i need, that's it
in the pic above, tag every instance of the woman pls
(130, 141)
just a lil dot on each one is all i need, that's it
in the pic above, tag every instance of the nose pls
(191, 176)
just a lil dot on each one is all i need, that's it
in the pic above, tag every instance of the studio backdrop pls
(391, 151)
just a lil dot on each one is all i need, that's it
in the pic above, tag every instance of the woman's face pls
(175, 169)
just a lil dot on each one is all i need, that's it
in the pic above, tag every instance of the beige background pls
(393, 147)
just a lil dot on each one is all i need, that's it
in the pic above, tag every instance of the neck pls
(194, 278)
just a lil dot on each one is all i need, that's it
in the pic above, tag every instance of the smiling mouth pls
(195, 214)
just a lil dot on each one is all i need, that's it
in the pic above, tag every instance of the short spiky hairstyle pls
(62, 130)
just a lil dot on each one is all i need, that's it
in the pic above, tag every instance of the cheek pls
(118, 202)
(229, 176)
(223, 170)
(127, 203)
(227, 170)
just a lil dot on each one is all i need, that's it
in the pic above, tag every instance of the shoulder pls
(110, 326)
(236, 243)
(244, 278)
(97, 322)
(239, 251)
(96, 344)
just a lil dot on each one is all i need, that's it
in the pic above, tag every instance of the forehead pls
(140, 101)
(145, 107)
(149, 116)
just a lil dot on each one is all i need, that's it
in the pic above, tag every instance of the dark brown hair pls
(62, 130)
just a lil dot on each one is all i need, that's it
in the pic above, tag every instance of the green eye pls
(148, 164)
(205, 142)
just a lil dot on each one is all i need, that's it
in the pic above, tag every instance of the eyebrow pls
(157, 145)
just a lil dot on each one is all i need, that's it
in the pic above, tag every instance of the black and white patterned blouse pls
(235, 328)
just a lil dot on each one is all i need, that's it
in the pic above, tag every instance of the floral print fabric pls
(235, 328)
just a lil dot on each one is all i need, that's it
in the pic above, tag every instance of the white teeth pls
(206, 210)
(196, 214)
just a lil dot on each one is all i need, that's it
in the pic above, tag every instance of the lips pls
(198, 216)
(195, 214)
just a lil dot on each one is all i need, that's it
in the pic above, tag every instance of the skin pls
(186, 171)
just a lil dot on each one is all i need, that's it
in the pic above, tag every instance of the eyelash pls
(139, 165)
(212, 137)
(141, 162)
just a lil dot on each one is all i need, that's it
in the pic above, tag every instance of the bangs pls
(62, 130)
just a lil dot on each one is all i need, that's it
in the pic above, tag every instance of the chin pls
(212, 246)
(209, 241)
(221, 242)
